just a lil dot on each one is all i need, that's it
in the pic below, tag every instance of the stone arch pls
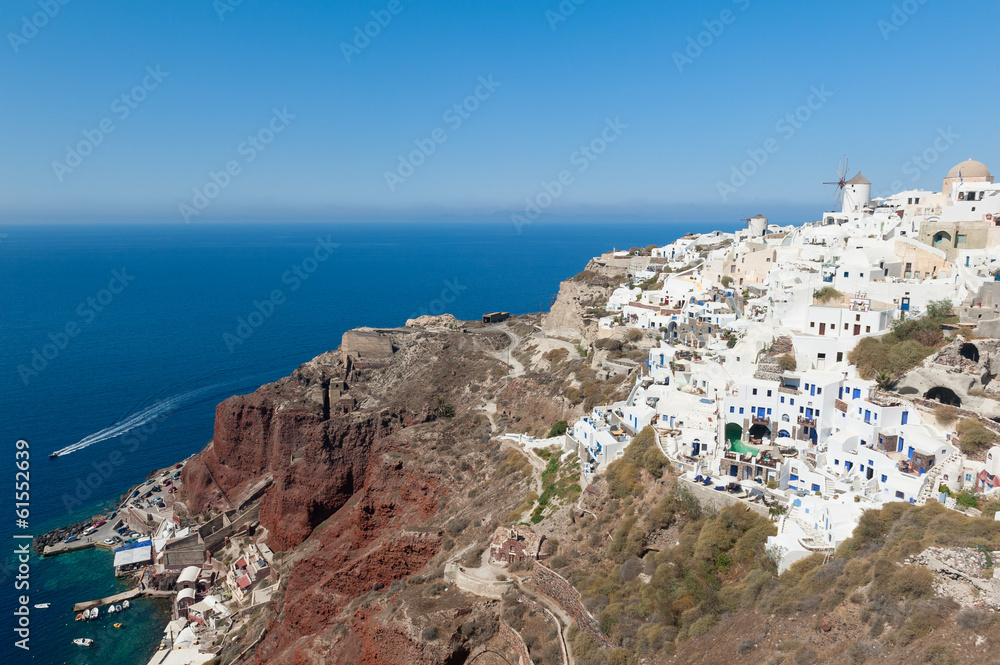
(942, 239)
(969, 351)
(734, 432)
(943, 395)
(759, 431)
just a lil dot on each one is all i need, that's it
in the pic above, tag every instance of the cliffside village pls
(749, 388)
(217, 570)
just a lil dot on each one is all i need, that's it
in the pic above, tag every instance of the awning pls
(134, 556)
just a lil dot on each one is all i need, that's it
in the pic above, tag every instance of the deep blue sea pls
(123, 338)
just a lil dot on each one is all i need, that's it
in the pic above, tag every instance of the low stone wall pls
(555, 586)
(515, 642)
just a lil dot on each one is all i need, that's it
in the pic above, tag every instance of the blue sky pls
(893, 78)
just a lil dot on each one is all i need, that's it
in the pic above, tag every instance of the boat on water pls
(54, 455)
(42, 606)
(83, 642)
(79, 617)
(117, 625)
(125, 605)
(111, 609)
(118, 608)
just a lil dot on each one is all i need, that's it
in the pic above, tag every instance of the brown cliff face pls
(254, 437)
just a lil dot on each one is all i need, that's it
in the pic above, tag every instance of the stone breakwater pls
(555, 586)
(514, 640)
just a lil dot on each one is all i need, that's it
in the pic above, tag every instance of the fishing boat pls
(83, 642)
(42, 606)
(117, 625)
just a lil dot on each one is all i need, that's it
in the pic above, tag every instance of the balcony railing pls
(759, 420)
(807, 422)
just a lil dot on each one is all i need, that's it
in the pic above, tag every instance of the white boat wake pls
(138, 419)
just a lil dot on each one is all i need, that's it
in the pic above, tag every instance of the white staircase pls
(931, 479)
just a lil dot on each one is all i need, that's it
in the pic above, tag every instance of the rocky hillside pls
(381, 464)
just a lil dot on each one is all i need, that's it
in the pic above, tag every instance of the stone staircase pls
(931, 479)
(828, 485)
(813, 538)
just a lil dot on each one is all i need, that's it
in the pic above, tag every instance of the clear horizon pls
(395, 109)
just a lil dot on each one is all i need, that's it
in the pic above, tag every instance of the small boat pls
(117, 625)
(118, 608)
(125, 605)
(111, 609)
(83, 642)
(54, 455)
(79, 617)
(42, 606)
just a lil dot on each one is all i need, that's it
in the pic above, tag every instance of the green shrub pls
(973, 436)
(558, 429)
(787, 362)
(625, 474)
(827, 293)
(967, 499)
(945, 414)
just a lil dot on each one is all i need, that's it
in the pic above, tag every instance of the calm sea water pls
(125, 337)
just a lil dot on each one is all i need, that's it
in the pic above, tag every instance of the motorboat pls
(79, 617)
(83, 642)
(118, 608)
(117, 625)
(42, 606)
(54, 455)
(111, 609)
(125, 605)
